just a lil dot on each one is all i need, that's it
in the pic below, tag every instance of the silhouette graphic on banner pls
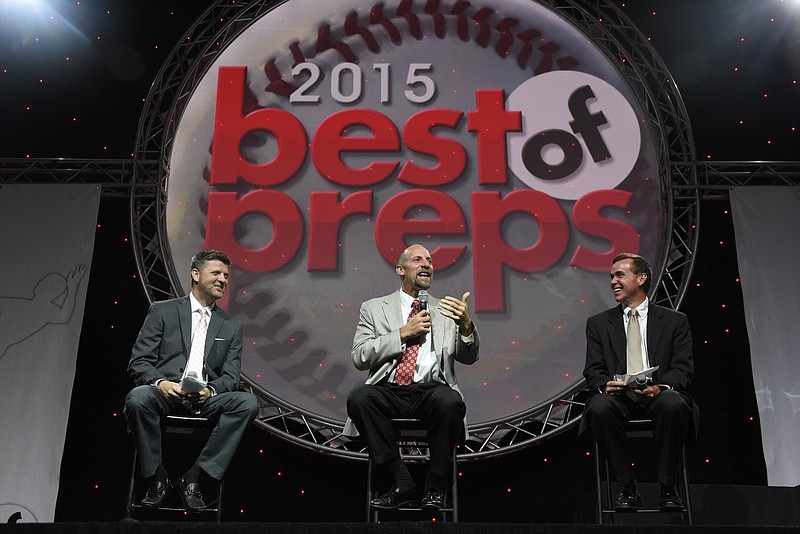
(52, 303)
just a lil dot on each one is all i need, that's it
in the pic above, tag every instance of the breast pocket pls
(216, 356)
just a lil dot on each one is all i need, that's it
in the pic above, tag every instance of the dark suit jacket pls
(162, 348)
(669, 346)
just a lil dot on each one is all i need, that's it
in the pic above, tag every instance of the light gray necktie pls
(634, 344)
(196, 354)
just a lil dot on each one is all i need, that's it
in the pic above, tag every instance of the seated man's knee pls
(358, 397)
(249, 404)
(600, 404)
(139, 397)
(600, 408)
(670, 401)
(447, 400)
(239, 402)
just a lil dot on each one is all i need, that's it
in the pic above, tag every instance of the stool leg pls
(600, 467)
(370, 482)
(687, 502)
(131, 486)
(454, 489)
(609, 493)
(219, 501)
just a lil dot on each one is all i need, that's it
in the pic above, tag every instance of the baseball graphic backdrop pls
(330, 135)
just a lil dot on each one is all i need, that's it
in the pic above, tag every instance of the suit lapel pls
(437, 326)
(213, 329)
(655, 325)
(394, 318)
(616, 331)
(391, 311)
(185, 319)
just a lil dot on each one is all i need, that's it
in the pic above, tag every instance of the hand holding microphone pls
(420, 324)
(422, 297)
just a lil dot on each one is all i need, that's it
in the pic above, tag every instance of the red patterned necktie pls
(404, 374)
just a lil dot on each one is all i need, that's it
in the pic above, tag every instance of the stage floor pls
(404, 527)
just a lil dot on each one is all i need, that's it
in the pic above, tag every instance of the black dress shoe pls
(394, 498)
(629, 499)
(432, 499)
(155, 494)
(191, 496)
(670, 500)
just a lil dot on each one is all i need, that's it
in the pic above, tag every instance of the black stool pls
(175, 427)
(637, 429)
(411, 434)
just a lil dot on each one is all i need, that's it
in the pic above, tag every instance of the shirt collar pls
(641, 308)
(196, 304)
(406, 299)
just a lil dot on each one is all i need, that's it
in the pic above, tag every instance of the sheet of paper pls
(638, 378)
(191, 384)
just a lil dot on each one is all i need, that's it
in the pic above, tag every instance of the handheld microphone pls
(422, 296)
(641, 382)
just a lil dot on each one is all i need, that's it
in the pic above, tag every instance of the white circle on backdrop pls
(543, 101)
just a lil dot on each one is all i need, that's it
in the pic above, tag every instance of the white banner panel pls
(48, 238)
(766, 222)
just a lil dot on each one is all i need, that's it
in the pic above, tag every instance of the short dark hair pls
(200, 259)
(639, 265)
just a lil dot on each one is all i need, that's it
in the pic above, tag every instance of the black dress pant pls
(670, 412)
(440, 407)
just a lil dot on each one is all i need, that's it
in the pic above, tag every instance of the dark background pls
(73, 85)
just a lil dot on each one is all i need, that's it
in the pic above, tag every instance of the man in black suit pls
(189, 336)
(633, 336)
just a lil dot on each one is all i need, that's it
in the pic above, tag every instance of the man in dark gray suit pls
(189, 337)
(627, 339)
(400, 385)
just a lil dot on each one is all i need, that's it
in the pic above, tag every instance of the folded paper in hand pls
(192, 384)
(638, 378)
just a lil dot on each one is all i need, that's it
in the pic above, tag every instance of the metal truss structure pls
(115, 176)
(144, 178)
(600, 21)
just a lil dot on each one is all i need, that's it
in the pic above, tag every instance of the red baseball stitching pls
(405, 10)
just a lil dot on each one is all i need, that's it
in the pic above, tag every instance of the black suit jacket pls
(162, 348)
(669, 346)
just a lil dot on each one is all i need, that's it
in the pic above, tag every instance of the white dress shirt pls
(427, 368)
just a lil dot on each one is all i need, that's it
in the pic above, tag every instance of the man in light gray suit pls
(410, 353)
(189, 336)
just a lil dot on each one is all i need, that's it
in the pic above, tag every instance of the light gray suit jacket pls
(377, 345)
